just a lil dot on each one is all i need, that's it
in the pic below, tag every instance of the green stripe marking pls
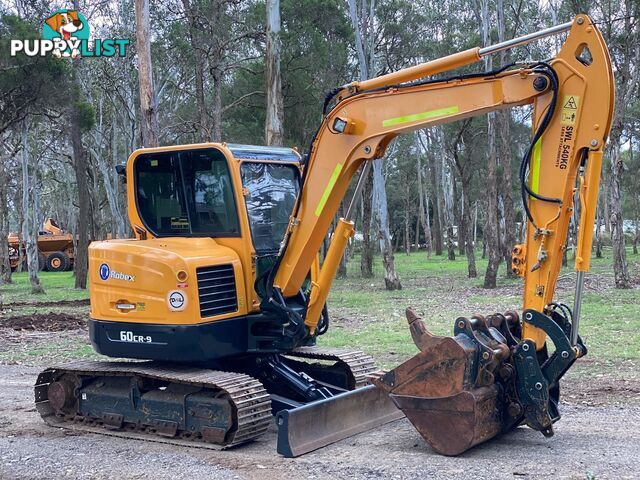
(327, 191)
(441, 112)
(535, 166)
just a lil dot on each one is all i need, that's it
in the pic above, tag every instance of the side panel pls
(133, 280)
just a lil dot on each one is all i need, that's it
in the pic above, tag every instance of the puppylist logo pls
(65, 33)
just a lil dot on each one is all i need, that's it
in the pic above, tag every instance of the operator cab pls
(189, 193)
(209, 220)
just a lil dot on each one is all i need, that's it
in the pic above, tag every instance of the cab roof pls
(255, 152)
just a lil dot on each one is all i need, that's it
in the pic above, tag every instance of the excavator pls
(218, 301)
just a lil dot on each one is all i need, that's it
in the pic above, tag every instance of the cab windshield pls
(186, 193)
(271, 192)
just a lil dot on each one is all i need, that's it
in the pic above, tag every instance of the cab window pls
(271, 192)
(186, 193)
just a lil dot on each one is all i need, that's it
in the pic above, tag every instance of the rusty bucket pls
(455, 391)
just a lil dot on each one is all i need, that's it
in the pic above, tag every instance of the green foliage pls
(28, 85)
(86, 115)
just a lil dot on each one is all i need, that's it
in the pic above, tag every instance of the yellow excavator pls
(222, 296)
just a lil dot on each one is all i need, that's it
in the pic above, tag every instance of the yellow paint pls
(416, 117)
(535, 166)
(327, 190)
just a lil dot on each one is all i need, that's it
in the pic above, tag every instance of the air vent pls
(217, 290)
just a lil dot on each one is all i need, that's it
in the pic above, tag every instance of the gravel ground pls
(591, 442)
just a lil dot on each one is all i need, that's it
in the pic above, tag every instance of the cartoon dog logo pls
(66, 24)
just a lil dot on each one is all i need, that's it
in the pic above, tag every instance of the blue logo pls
(104, 271)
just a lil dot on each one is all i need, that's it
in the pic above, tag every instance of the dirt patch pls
(49, 322)
(590, 442)
(60, 303)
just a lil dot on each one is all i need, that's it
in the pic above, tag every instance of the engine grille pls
(217, 290)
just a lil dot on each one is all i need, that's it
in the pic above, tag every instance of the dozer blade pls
(315, 425)
(464, 390)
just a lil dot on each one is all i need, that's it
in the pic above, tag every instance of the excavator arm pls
(572, 95)
(495, 372)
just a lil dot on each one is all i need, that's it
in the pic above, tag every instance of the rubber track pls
(251, 400)
(362, 366)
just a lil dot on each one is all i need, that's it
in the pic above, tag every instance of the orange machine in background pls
(55, 249)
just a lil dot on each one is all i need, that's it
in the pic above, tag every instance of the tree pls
(30, 222)
(491, 228)
(274, 128)
(626, 57)
(148, 106)
(362, 18)
(503, 118)
(203, 127)
(465, 170)
(7, 153)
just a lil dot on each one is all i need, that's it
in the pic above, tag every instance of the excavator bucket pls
(464, 390)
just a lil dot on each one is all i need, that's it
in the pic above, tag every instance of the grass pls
(371, 318)
(366, 316)
(58, 286)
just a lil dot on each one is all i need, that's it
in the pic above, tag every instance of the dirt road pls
(590, 442)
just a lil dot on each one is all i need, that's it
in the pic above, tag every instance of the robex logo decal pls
(106, 273)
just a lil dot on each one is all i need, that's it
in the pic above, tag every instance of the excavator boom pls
(496, 371)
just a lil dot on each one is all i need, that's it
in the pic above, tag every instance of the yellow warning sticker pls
(569, 112)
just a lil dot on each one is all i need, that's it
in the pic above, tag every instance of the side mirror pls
(122, 171)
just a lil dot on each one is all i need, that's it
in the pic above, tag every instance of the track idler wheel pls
(62, 393)
(449, 391)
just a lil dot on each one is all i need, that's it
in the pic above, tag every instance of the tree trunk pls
(437, 226)
(366, 261)
(362, 23)
(506, 190)
(598, 233)
(448, 196)
(148, 107)
(636, 236)
(467, 224)
(620, 265)
(203, 132)
(459, 203)
(79, 167)
(491, 229)
(506, 184)
(407, 219)
(30, 224)
(391, 280)
(423, 213)
(5, 265)
(216, 78)
(109, 176)
(274, 122)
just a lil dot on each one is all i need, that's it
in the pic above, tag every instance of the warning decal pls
(569, 110)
